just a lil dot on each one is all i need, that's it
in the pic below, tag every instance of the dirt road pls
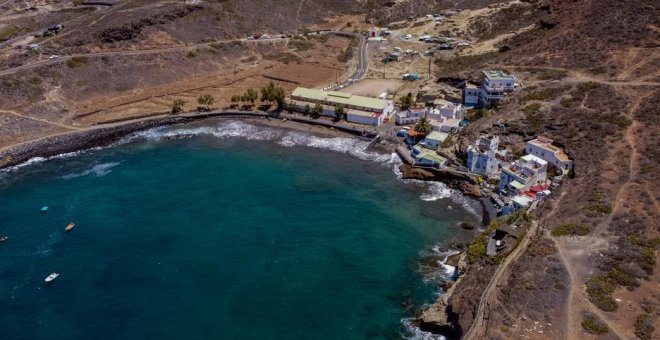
(478, 328)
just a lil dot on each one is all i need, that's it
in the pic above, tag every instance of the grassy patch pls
(594, 326)
(77, 62)
(191, 54)
(283, 57)
(476, 114)
(8, 33)
(347, 54)
(300, 44)
(570, 229)
(463, 63)
(35, 81)
(551, 75)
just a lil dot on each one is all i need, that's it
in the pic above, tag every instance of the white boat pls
(4, 238)
(51, 277)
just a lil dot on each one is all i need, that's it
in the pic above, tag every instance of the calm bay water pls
(277, 236)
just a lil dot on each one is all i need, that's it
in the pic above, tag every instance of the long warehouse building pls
(362, 110)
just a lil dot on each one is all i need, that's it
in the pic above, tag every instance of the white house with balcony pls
(494, 85)
(542, 147)
(522, 174)
(482, 156)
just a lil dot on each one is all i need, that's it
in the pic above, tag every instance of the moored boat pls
(51, 277)
(69, 226)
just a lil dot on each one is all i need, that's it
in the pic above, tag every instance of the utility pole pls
(430, 60)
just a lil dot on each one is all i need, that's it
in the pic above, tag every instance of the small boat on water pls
(44, 209)
(69, 226)
(4, 238)
(51, 277)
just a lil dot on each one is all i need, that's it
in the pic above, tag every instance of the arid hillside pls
(136, 57)
(591, 83)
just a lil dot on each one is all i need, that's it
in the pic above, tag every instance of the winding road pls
(362, 64)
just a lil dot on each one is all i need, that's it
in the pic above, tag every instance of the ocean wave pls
(232, 129)
(352, 146)
(434, 267)
(37, 160)
(412, 332)
(98, 170)
(436, 191)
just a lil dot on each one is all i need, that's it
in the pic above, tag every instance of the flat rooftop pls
(559, 152)
(340, 98)
(497, 74)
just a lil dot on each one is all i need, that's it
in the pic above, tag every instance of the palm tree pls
(423, 125)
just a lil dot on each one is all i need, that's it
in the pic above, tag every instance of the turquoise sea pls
(220, 231)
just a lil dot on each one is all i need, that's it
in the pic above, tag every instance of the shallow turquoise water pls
(213, 237)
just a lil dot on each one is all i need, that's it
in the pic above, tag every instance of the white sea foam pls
(37, 160)
(412, 332)
(98, 170)
(436, 191)
(354, 147)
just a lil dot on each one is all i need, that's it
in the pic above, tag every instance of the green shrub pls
(600, 289)
(301, 45)
(8, 33)
(620, 277)
(593, 326)
(76, 62)
(644, 327)
(476, 252)
(570, 229)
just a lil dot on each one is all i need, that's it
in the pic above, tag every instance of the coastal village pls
(427, 133)
(492, 100)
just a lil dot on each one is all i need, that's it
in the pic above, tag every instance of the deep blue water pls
(216, 237)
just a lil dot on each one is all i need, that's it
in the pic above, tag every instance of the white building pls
(522, 174)
(350, 101)
(494, 85)
(434, 139)
(542, 147)
(366, 118)
(447, 109)
(427, 157)
(410, 116)
(450, 125)
(471, 95)
(482, 156)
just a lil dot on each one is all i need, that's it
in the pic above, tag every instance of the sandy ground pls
(374, 87)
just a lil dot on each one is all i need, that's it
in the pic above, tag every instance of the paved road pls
(361, 69)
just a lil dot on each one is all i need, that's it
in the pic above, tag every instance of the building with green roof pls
(370, 106)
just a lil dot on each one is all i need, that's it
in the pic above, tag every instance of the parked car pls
(54, 56)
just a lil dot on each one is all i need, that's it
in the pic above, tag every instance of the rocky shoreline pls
(99, 136)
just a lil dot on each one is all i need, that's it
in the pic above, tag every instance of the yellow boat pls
(69, 226)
